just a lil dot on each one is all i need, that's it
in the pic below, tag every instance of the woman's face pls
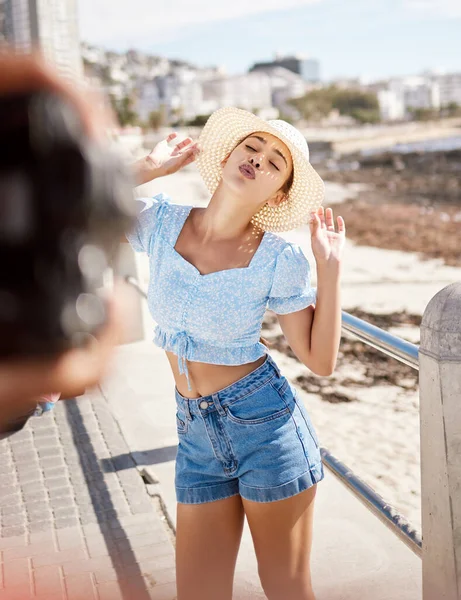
(258, 168)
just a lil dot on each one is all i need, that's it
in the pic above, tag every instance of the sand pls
(374, 428)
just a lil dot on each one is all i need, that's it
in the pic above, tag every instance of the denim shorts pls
(253, 438)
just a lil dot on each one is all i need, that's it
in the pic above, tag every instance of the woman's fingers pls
(179, 147)
(314, 223)
(330, 224)
(321, 216)
(171, 137)
(341, 225)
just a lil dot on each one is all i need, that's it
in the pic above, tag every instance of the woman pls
(246, 444)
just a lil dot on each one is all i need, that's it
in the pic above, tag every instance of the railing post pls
(125, 266)
(440, 410)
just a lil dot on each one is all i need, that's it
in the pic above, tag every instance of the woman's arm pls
(164, 159)
(314, 333)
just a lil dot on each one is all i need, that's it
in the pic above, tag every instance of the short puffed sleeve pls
(147, 222)
(291, 288)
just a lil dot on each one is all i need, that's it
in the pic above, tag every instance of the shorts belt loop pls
(274, 364)
(218, 406)
(187, 410)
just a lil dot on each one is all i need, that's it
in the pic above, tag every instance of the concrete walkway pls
(354, 554)
(77, 522)
(88, 506)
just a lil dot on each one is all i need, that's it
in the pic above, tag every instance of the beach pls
(367, 412)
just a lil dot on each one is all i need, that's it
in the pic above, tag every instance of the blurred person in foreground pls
(28, 379)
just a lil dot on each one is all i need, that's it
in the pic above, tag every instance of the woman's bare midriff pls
(206, 379)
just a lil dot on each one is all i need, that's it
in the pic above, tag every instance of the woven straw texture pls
(226, 128)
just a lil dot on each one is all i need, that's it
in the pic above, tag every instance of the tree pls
(123, 108)
(423, 114)
(198, 121)
(317, 104)
(453, 109)
(362, 106)
(155, 120)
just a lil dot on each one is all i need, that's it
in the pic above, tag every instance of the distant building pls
(449, 88)
(307, 68)
(50, 26)
(251, 92)
(400, 96)
(391, 105)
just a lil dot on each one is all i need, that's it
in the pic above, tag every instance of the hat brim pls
(223, 131)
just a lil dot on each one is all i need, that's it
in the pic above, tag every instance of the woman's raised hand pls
(165, 159)
(327, 244)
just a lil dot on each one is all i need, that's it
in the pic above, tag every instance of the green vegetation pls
(318, 104)
(198, 121)
(123, 109)
(423, 114)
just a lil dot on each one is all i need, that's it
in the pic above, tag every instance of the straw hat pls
(226, 128)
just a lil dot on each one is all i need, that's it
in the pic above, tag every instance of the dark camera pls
(65, 202)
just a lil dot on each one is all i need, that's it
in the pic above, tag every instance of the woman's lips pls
(247, 171)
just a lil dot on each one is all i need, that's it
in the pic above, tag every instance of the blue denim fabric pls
(253, 438)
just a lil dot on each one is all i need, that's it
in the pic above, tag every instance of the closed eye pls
(250, 147)
(274, 165)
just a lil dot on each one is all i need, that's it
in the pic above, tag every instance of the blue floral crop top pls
(215, 318)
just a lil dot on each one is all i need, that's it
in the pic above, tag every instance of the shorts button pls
(203, 404)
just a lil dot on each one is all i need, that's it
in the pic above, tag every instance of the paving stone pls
(26, 551)
(16, 572)
(13, 520)
(52, 462)
(60, 558)
(13, 509)
(7, 469)
(110, 590)
(50, 452)
(41, 526)
(39, 514)
(61, 493)
(32, 497)
(58, 482)
(66, 512)
(17, 592)
(29, 476)
(13, 541)
(53, 472)
(80, 587)
(89, 565)
(48, 581)
(47, 537)
(63, 523)
(8, 495)
(70, 538)
(88, 517)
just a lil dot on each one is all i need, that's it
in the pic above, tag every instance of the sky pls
(371, 39)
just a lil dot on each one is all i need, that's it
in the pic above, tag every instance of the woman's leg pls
(207, 541)
(282, 536)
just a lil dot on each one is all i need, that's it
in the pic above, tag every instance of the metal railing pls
(383, 341)
(404, 352)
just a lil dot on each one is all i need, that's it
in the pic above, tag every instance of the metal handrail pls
(374, 502)
(384, 341)
(404, 352)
